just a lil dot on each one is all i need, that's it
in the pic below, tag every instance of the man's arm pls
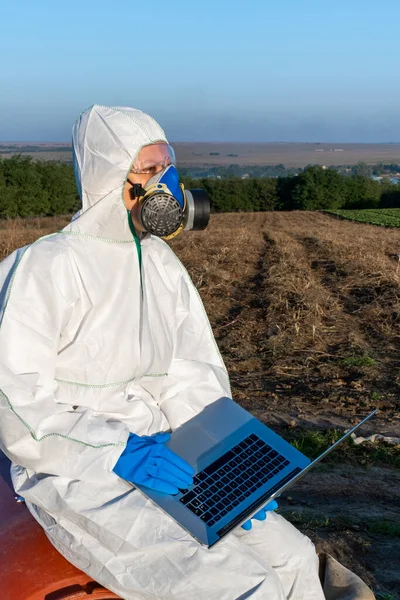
(36, 432)
(197, 375)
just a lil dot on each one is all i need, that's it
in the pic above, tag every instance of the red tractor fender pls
(30, 567)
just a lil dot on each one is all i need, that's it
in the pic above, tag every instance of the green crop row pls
(384, 217)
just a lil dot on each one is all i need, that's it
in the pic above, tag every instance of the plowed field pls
(306, 311)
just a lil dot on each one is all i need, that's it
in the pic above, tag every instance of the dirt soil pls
(306, 313)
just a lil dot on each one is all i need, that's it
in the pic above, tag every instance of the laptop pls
(240, 465)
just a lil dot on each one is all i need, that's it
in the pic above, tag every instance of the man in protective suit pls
(104, 348)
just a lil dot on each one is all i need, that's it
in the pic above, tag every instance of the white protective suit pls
(91, 349)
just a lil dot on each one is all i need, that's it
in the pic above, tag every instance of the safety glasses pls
(153, 158)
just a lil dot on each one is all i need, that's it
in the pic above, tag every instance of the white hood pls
(106, 140)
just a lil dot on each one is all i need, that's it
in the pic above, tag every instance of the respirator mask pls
(165, 207)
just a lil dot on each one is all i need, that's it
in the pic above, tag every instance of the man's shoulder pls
(44, 262)
(164, 255)
(155, 244)
(44, 251)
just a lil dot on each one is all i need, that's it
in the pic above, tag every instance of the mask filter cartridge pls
(166, 208)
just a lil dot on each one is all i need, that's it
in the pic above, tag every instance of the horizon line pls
(69, 145)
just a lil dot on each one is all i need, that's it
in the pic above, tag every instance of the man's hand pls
(261, 515)
(147, 461)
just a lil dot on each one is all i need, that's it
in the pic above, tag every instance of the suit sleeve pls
(36, 431)
(197, 375)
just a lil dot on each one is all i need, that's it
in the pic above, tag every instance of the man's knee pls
(284, 544)
(308, 554)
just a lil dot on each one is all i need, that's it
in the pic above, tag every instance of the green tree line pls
(29, 188)
(314, 188)
(39, 188)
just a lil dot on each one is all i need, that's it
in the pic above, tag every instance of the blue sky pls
(211, 70)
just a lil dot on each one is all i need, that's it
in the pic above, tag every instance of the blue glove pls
(146, 461)
(261, 515)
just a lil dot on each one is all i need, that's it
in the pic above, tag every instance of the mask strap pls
(136, 190)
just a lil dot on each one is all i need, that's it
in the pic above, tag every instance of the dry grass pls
(338, 285)
(219, 258)
(290, 295)
(15, 233)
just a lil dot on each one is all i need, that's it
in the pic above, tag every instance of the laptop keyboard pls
(226, 482)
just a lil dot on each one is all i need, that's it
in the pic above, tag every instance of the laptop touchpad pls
(191, 441)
